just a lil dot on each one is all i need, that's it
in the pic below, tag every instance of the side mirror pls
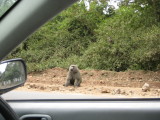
(13, 74)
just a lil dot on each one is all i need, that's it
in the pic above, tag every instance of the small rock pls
(143, 94)
(30, 76)
(98, 89)
(72, 89)
(118, 91)
(104, 74)
(105, 91)
(91, 74)
(131, 92)
(140, 78)
(155, 90)
(44, 74)
(123, 92)
(85, 73)
(113, 92)
(42, 87)
(102, 82)
(89, 89)
(61, 89)
(145, 87)
(55, 88)
(54, 75)
(28, 87)
(32, 86)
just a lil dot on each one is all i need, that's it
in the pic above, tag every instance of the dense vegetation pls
(121, 39)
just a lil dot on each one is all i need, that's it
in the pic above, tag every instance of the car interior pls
(20, 22)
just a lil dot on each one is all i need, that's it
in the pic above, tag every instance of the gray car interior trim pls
(36, 116)
(91, 110)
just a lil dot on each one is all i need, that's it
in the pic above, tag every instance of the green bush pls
(147, 54)
(127, 38)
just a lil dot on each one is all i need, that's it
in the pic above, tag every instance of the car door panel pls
(89, 110)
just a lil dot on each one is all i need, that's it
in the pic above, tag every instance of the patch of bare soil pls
(97, 82)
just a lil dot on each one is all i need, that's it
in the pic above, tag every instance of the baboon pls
(73, 77)
(145, 87)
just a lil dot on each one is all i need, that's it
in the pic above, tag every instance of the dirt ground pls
(97, 82)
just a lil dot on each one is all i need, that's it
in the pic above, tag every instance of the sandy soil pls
(97, 82)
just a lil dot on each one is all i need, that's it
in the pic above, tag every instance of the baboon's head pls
(73, 68)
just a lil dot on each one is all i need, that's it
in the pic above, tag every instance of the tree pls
(154, 6)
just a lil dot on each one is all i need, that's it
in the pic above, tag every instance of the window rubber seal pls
(9, 9)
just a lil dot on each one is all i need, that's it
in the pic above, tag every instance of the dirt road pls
(97, 82)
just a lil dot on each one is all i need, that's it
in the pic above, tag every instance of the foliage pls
(147, 54)
(126, 38)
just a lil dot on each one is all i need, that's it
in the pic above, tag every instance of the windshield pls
(96, 49)
(5, 5)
